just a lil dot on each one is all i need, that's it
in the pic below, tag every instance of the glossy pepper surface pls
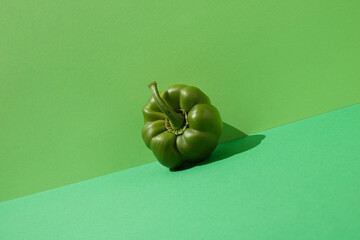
(181, 125)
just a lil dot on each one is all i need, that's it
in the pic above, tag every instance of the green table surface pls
(297, 181)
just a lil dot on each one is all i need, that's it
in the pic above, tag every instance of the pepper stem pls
(176, 119)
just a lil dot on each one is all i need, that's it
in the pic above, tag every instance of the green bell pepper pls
(181, 126)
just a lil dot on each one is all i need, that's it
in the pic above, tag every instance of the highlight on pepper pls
(181, 125)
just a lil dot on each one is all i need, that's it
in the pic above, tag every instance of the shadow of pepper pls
(232, 142)
(230, 133)
(233, 147)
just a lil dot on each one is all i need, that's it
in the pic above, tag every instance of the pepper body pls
(181, 125)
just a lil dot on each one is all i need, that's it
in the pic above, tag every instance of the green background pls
(298, 181)
(74, 75)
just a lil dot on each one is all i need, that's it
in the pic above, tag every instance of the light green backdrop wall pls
(74, 75)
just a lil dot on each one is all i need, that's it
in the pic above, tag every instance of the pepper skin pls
(181, 126)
